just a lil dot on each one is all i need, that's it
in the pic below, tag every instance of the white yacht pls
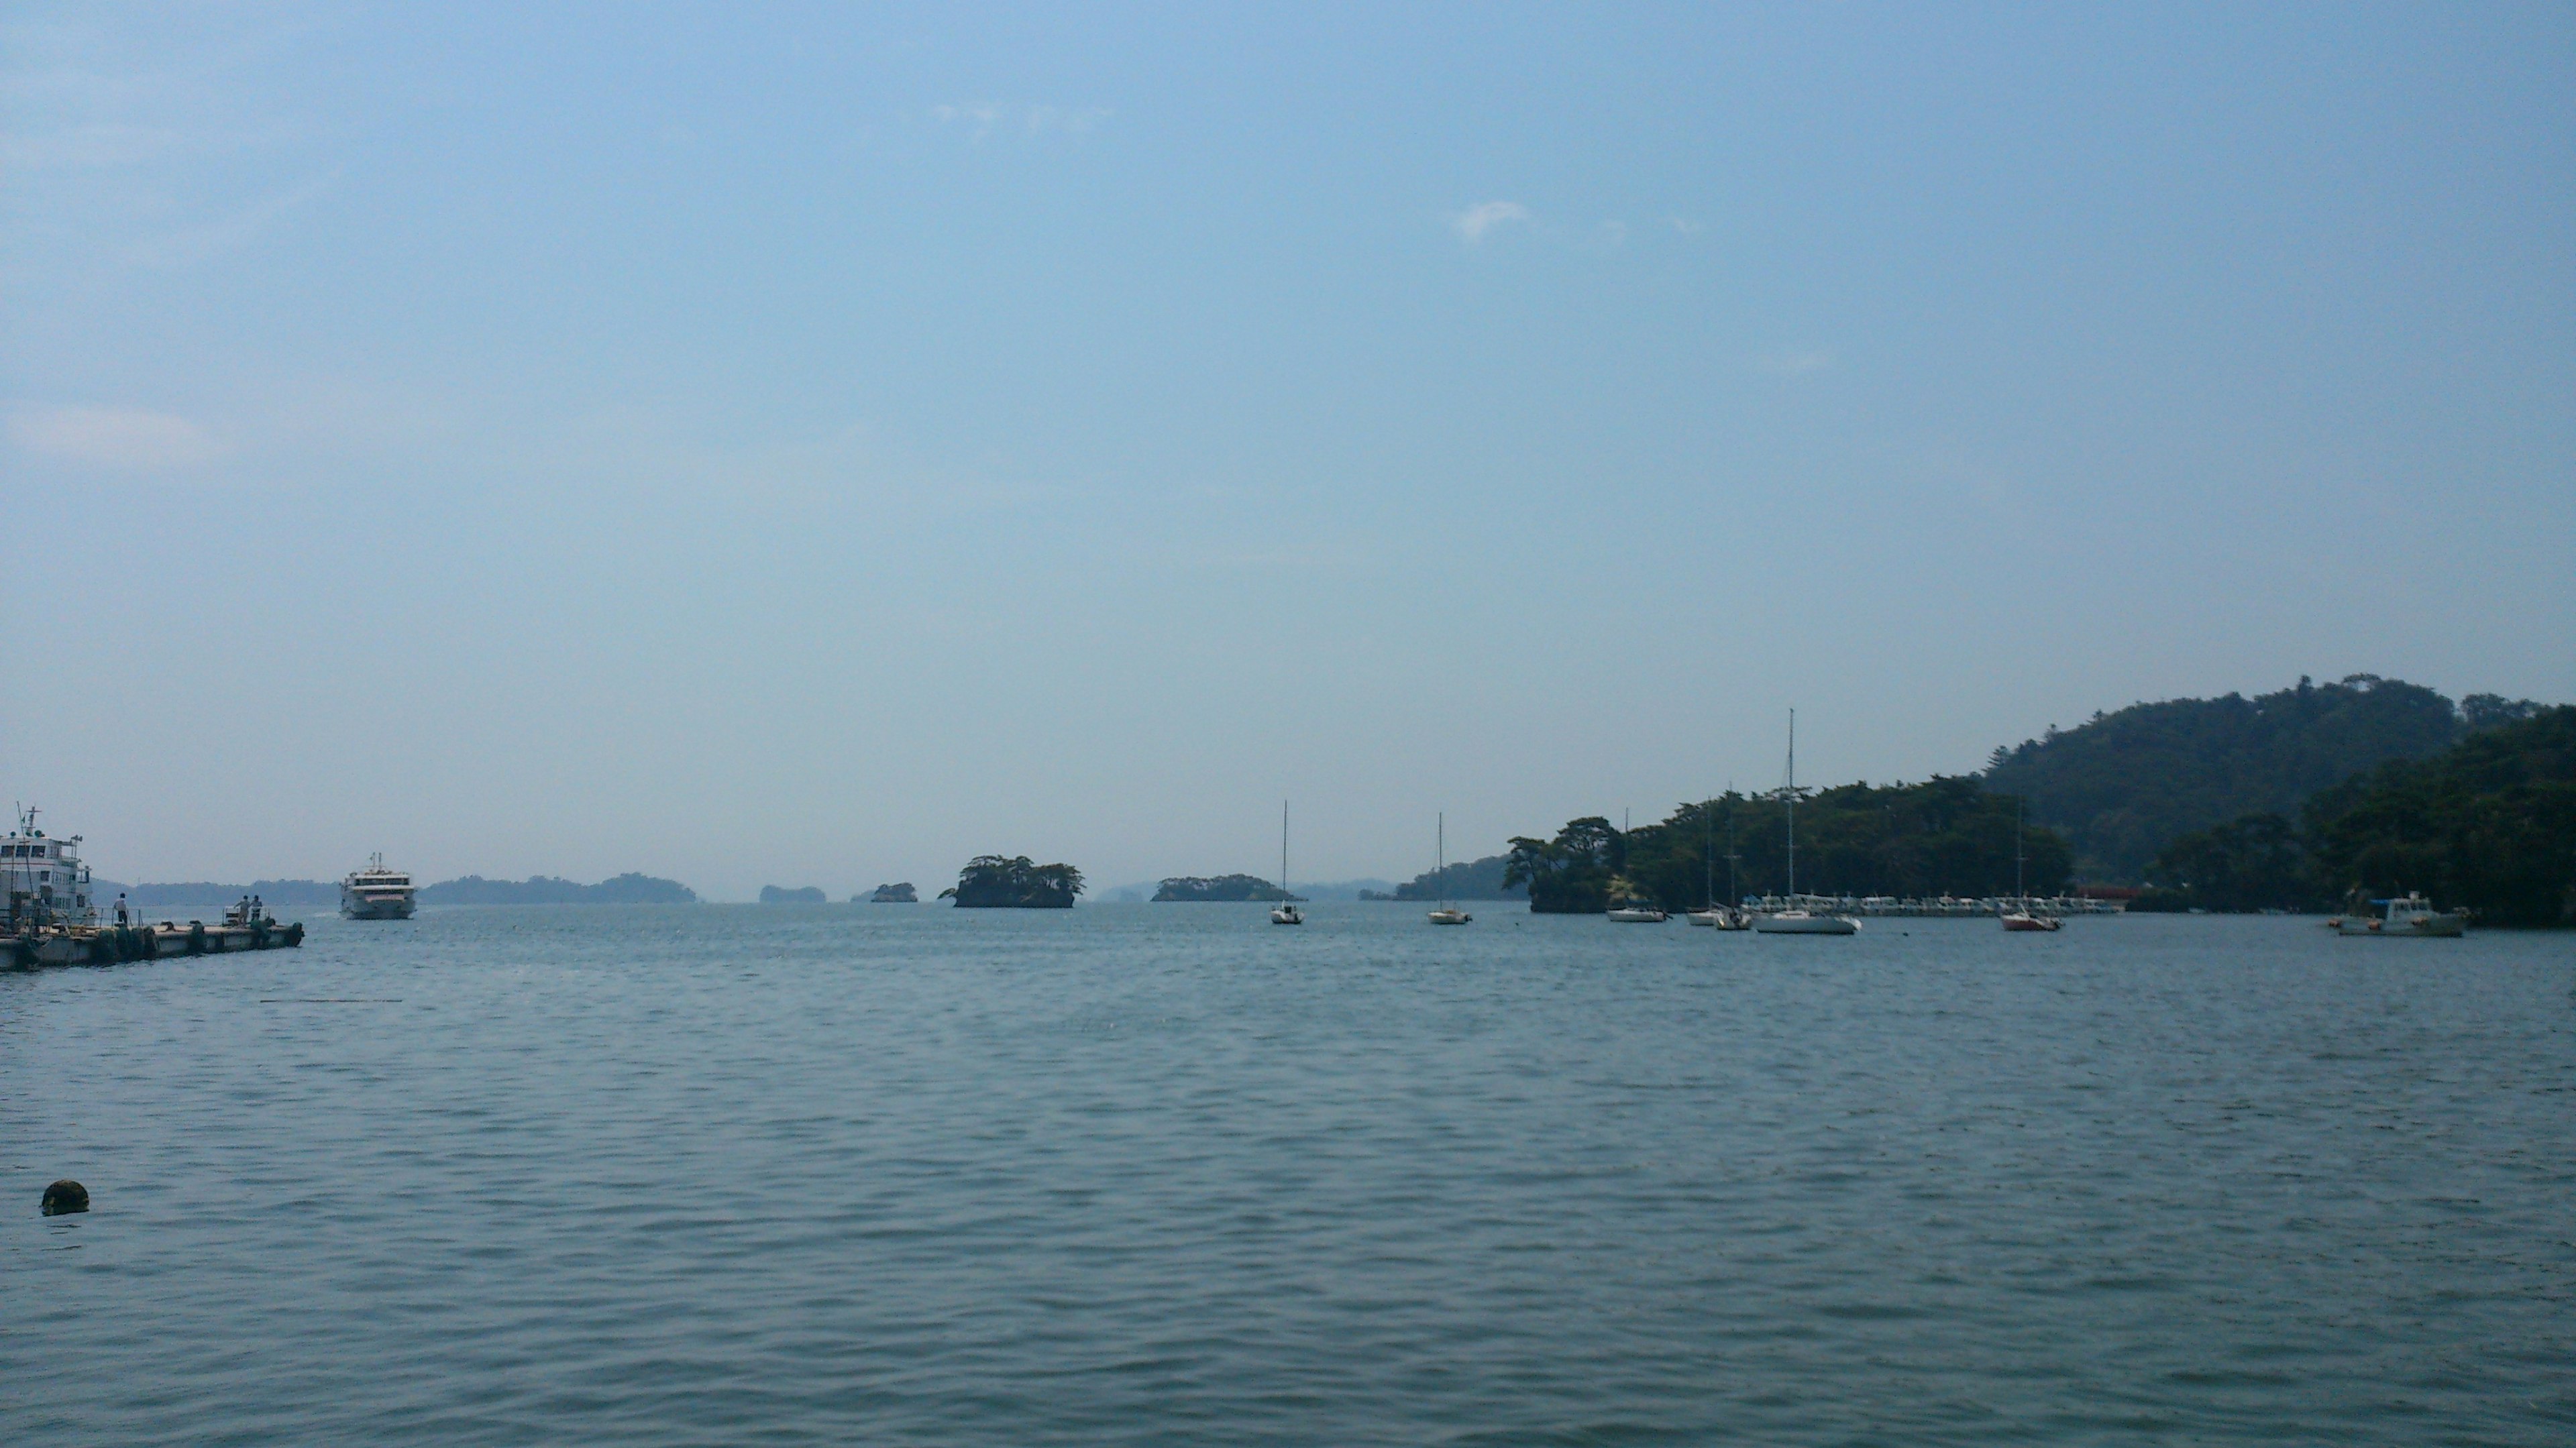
(376, 893)
(1286, 911)
(1446, 914)
(2407, 915)
(1794, 921)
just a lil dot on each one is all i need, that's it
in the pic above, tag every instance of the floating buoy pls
(64, 1197)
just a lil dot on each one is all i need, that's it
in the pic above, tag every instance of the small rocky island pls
(1223, 887)
(895, 895)
(773, 895)
(1013, 883)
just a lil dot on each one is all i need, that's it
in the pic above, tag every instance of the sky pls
(814, 445)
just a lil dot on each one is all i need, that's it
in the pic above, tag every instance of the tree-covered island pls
(1011, 882)
(1946, 836)
(1220, 888)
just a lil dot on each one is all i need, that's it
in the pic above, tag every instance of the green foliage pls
(2256, 862)
(2490, 825)
(1946, 836)
(1011, 882)
(1222, 887)
(1569, 875)
(1466, 880)
(2126, 785)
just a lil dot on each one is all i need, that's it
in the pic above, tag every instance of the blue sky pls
(813, 445)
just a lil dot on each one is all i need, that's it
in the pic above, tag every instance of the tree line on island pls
(1946, 836)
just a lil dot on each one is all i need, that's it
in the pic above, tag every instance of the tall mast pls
(2020, 807)
(1708, 854)
(1440, 859)
(1791, 793)
(1283, 847)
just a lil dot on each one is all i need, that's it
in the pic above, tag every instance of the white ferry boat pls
(376, 893)
(46, 882)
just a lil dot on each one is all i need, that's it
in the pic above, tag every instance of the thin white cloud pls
(1796, 364)
(1686, 226)
(129, 438)
(191, 244)
(1472, 223)
(981, 119)
(90, 146)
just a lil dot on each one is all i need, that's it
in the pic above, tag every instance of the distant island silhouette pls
(1221, 887)
(901, 894)
(806, 895)
(627, 889)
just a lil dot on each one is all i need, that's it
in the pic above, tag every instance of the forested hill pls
(2490, 825)
(2124, 785)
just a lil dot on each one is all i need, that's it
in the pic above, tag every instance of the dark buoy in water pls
(66, 1196)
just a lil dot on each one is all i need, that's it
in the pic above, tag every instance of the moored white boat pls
(1720, 917)
(1445, 913)
(1286, 911)
(1794, 920)
(1800, 922)
(2408, 915)
(1638, 915)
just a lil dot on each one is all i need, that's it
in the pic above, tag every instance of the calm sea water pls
(1167, 1174)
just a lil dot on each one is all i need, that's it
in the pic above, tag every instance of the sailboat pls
(2020, 918)
(1721, 917)
(1447, 914)
(1794, 921)
(1286, 911)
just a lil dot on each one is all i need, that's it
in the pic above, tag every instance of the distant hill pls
(1466, 880)
(291, 894)
(808, 895)
(627, 889)
(2125, 785)
(1221, 887)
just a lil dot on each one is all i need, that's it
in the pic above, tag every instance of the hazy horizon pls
(720, 445)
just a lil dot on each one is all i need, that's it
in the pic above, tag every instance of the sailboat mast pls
(1283, 847)
(1792, 795)
(2021, 807)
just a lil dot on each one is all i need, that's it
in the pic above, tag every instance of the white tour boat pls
(2406, 915)
(376, 893)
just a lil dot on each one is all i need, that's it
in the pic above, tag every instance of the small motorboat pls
(1633, 914)
(1718, 917)
(1450, 915)
(2024, 920)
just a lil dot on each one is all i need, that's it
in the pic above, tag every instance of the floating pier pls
(115, 944)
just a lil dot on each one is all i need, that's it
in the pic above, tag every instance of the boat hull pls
(1805, 925)
(1638, 917)
(1719, 919)
(2420, 927)
(2027, 924)
(357, 907)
